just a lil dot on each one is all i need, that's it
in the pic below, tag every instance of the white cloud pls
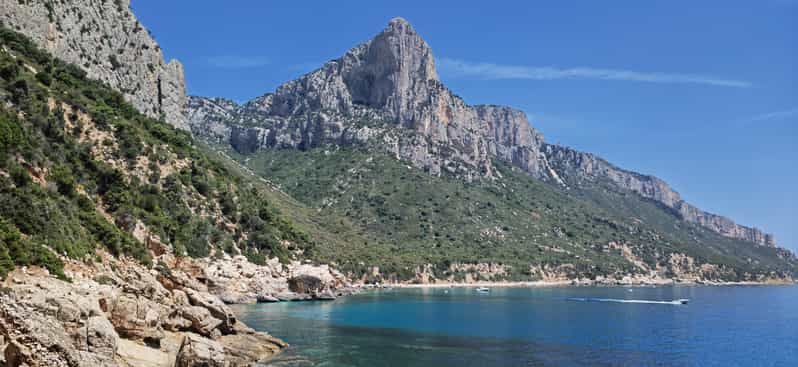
(238, 62)
(777, 115)
(460, 68)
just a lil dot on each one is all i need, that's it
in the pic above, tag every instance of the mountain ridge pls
(391, 79)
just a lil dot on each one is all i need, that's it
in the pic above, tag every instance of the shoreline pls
(568, 283)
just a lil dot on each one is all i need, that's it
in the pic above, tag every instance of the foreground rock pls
(118, 313)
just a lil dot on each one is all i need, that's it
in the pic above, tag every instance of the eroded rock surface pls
(118, 313)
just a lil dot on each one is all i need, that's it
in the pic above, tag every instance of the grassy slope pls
(408, 218)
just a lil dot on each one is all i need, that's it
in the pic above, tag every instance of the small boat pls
(681, 301)
(483, 290)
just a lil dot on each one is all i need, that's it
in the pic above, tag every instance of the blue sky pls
(703, 94)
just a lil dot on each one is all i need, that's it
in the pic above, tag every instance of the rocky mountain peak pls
(407, 46)
(391, 82)
(391, 71)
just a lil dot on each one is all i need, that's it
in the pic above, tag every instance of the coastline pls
(570, 283)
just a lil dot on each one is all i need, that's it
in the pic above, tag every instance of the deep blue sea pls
(721, 326)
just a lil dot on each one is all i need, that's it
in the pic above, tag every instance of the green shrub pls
(64, 180)
(44, 78)
(24, 252)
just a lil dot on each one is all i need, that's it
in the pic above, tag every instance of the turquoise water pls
(721, 326)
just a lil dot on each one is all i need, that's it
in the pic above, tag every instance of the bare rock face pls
(109, 43)
(211, 117)
(391, 80)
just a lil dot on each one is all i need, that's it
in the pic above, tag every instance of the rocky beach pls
(116, 312)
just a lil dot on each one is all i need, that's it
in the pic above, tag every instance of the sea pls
(546, 326)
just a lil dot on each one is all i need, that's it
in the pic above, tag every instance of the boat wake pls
(674, 302)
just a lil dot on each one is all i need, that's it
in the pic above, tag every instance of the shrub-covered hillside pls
(409, 218)
(80, 168)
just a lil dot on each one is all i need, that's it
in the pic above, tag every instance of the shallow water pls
(721, 326)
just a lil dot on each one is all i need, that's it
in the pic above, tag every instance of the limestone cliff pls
(386, 94)
(390, 79)
(105, 39)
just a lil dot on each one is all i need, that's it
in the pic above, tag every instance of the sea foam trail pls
(674, 302)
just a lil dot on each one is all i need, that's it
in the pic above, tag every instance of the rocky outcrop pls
(109, 43)
(119, 313)
(210, 118)
(577, 168)
(236, 280)
(391, 80)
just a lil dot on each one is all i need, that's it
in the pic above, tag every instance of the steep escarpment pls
(385, 94)
(106, 40)
(383, 84)
(582, 169)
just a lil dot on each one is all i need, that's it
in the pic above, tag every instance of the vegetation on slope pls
(81, 168)
(408, 218)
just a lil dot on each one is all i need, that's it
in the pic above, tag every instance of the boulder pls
(135, 354)
(242, 348)
(196, 351)
(201, 320)
(216, 307)
(136, 318)
(267, 299)
(101, 338)
(325, 295)
(180, 298)
(307, 284)
(234, 297)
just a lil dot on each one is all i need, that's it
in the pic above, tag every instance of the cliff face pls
(109, 43)
(386, 93)
(577, 168)
(390, 79)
